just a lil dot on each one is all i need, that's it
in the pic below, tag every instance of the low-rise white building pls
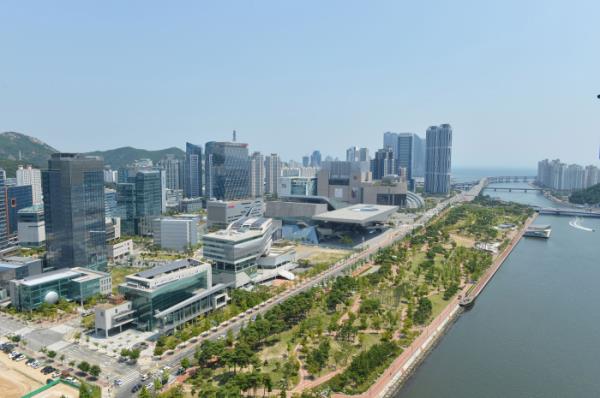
(176, 233)
(31, 226)
(119, 249)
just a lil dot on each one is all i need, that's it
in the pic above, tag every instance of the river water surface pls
(534, 331)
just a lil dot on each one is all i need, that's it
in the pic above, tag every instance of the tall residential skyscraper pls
(3, 212)
(30, 176)
(174, 173)
(315, 159)
(439, 159)
(272, 173)
(257, 175)
(227, 170)
(73, 189)
(383, 164)
(193, 171)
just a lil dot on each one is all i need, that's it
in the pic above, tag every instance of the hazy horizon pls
(517, 81)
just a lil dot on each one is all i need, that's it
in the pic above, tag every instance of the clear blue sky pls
(516, 79)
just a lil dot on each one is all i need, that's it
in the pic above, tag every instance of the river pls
(534, 331)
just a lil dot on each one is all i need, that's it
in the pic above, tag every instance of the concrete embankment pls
(391, 381)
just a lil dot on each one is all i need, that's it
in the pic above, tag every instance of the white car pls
(118, 382)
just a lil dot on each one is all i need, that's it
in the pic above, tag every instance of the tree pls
(185, 363)
(95, 370)
(144, 393)
(423, 311)
(84, 366)
(85, 391)
(51, 354)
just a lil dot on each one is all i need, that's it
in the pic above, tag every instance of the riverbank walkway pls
(396, 373)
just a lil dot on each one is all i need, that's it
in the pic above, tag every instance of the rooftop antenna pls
(234, 136)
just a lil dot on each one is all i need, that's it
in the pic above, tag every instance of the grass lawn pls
(438, 304)
(118, 275)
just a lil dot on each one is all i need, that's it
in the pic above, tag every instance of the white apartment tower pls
(30, 176)
(272, 173)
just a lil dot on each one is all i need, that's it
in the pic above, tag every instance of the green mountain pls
(23, 149)
(120, 157)
(17, 148)
(590, 196)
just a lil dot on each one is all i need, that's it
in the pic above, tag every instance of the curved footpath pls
(391, 380)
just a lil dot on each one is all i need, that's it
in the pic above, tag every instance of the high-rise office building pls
(383, 164)
(3, 212)
(30, 176)
(305, 161)
(352, 154)
(174, 173)
(418, 157)
(438, 159)
(17, 198)
(405, 155)
(148, 199)
(257, 175)
(272, 173)
(363, 155)
(227, 170)
(390, 141)
(315, 159)
(110, 203)
(192, 184)
(73, 189)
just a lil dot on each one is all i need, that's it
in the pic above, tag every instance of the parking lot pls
(17, 379)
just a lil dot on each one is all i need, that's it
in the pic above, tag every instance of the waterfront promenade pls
(393, 377)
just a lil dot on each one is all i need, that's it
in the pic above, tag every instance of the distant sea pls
(466, 174)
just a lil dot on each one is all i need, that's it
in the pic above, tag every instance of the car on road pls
(150, 386)
(118, 382)
(20, 357)
(144, 377)
(136, 388)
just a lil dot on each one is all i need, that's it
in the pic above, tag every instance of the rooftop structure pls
(360, 214)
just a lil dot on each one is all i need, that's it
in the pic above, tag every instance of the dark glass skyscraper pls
(139, 201)
(383, 163)
(18, 197)
(193, 171)
(73, 188)
(438, 159)
(227, 168)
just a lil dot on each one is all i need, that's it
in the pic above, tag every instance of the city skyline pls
(178, 83)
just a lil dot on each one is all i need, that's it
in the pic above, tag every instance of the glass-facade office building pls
(168, 295)
(139, 201)
(18, 197)
(193, 171)
(76, 284)
(227, 168)
(73, 187)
